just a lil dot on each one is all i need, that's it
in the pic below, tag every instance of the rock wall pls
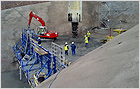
(126, 11)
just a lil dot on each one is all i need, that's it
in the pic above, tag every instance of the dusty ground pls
(10, 79)
(80, 51)
(113, 65)
(79, 42)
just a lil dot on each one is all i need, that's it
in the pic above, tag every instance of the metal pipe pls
(20, 72)
(110, 32)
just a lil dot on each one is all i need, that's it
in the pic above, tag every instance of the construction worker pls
(88, 35)
(42, 31)
(86, 41)
(73, 47)
(39, 41)
(66, 48)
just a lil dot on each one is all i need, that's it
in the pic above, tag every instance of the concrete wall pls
(56, 16)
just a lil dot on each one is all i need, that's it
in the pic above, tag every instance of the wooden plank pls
(35, 80)
(37, 49)
(33, 40)
(40, 51)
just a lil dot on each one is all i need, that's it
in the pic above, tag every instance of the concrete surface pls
(113, 65)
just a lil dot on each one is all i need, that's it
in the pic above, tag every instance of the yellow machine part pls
(119, 30)
(103, 40)
(109, 38)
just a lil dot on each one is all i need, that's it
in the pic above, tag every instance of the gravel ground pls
(79, 42)
(113, 65)
(46, 43)
(10, 79)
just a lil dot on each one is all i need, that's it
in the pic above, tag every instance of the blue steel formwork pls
(34, 60)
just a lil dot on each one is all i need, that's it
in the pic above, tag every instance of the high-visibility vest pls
(66, 47)
(86, 39)
(42, 31)
(88, 34)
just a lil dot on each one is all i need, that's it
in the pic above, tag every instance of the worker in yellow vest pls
(42, 31)
(88, 35)
(66, 48)
(86, 41)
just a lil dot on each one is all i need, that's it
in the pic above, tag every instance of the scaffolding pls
(109, 13)
(35, 62)
(104, 11)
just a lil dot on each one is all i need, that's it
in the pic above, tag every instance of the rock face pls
(114, 65)
(126, 11)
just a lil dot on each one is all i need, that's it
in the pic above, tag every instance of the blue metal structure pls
(33, 59)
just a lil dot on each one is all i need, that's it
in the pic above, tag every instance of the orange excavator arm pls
(32, 14)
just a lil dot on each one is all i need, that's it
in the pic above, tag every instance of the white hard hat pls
(66, 43)
(72, 42)
(41, 27)
(88, 31)
(85, 35)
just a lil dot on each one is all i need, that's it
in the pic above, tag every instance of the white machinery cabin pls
(74, 15)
